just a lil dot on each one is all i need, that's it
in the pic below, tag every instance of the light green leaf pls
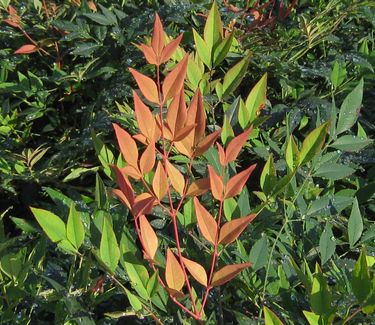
(256, 98)
(361, 282)
(313, 143)
(327, 244)
(227, 131)
(351, 143)
(52, 225)
(109, 250)
(312, 318)
(222, 50)
(355, 224)
(320, 297)
(338, 74)
(152, 284)
(350, 109)
(213, 29)
(202, 49)
(270, 318)
(291, 155)
(134, 301)
(234, 76)
(75, 231)
(268, 176)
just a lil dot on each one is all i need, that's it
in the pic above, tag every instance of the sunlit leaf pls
(236, 184)
(148, 236)
(146, 85)
(176, 178)
(174, 274)
(147, 161)
(174, 81)
(206, 223)
(109, 249)
(270, 317)
(75, 232)
(231, 230)
(198, 187)
(127, 145)
(196, 270)
(160, 182)
(227, 273)
(256, 99)
(235, 145)
(216, 184)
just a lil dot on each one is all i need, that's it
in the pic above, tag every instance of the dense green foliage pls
(74, 256)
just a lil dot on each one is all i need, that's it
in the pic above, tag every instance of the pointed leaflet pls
(174, 276)
(170, 48)
(148, 236)
(143, 204)
(127, 145)
(256, 99)
(237, 182)
(206, 143)
(125, 186)
(109, 250)
(222, 49)
(203, 50)
(145, 119)
(198, 187)
(232, 229)
(148, 52)
(216, 184)
(313, 143)
(355, 224)
(213, 29)
(174, 81)
(75, 232)
(227, 273)
(235, 75)
(196, 270)
(147, 161)
(221, 154)
(160, 182)
(176, 178)
(268, 176)
(197, 116)
(234, 147)
(158, 37)
(184, 132)
(26, 49)
(177, 113)
(146, 85)
(270, 318)
(291, 154)
(206, 222)
(131, 171)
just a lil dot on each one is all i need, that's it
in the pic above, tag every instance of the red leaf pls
(146, 85)
(132, 171)
(12, 10)
(160, 182)
(221, 154)
(149, 238)
(147, 161)
(206, 143)
(26, 49)
(236, 144)
(170, 49)
(237, 182)
(184, 132)
(227, 273)
(176, 115)
(198, 187)
(216, 184)
(174, 275)
(143, 204)
(127, 145)
(12, 23)
(206, 223)
(232, 229)
(125, 186)
(196, 116)
(149, 53)
(174, 81)
(145, 119)
(158, 37)
(196, 270)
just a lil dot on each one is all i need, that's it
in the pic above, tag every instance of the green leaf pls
(291, 155)
(268, 176)
(338, 74)
(75, 231)
(109, 250)
(99, 18)
(349, 109)
(355, 224)
(351, 143)
(333, 171)
(361, 282)
(320, 297)
(270, 318)
(52, 225)
(312, 318)
(222, 50)
(256, 98)
(313, 143)
(327, 244)
(234, 76)
(213, 29)
(259, 254)
(25, 225)
(226, 131)
(105, 155)
(134, 301)
(231, 209)
(101, 197)
(152, 284)
(203, 50)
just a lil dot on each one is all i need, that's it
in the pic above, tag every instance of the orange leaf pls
(149, 238)
(26, 49)
(141, 138)
(196, 270)
(174, 81)
(122, 197)
(237, 182)
(221, 154)
(158, 37)
(170, 49)
(227, 273)
(196, 116)
(207, 224)
(143, 204)
(235, 145)
(131, 171)
(232, 229)
(147, 161)
(199, 187)
(184, 132)
(206, 143)
(149, 53)
(174, 275)
(160, 182)
(176, 115)
(176, 178)
(145, 119)
(125, 186)
(127, 145)
(185, 146)
(12, 10)
(92, 6)
(146, 85)
(12, 22)
(216, 184)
